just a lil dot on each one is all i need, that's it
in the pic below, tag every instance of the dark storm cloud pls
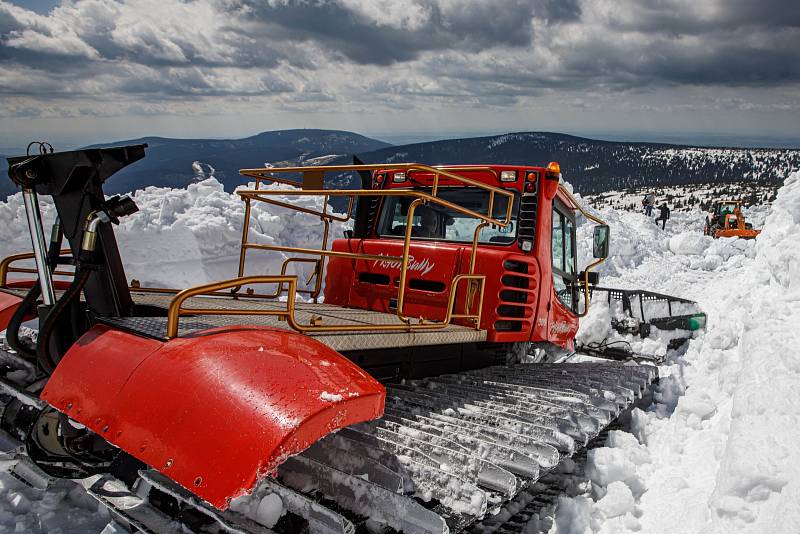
(496, 51)
(682, 17)
(349, 30)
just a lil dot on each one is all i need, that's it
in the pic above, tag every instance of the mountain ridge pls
(591, 165)
(596, 165)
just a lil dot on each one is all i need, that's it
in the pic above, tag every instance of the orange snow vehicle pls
(727, 220)
(395, 387)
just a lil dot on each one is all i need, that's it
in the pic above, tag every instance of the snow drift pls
(183, 237)
(717, 451)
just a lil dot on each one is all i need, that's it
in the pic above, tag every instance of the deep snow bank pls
(182, 237)
(758, 482)
(717, 451)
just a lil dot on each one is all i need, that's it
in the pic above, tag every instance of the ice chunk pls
(269, 510)
(617, 501)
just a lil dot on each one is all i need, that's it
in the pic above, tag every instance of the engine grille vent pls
(517, 296)
(527, 215)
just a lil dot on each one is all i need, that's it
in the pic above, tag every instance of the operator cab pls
(524, 248)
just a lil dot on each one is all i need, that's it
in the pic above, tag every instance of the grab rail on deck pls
(313, 185)
(6, 266)
(177, 310)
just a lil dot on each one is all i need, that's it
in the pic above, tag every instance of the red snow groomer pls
(418, 395)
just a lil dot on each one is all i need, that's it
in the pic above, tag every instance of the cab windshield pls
(435, 222)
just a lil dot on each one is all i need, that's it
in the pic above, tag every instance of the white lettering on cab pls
(423, 266)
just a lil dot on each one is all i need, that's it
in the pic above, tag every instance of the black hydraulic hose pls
(28, 304)
(26, 307)
(45, 359)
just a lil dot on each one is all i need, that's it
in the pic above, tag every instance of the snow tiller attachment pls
(673, 320)
(400, 403)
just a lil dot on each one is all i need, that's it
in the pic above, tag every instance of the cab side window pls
(563, 248)
(569, 246)
(558, 241)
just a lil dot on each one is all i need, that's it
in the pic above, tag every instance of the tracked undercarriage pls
(449, 452)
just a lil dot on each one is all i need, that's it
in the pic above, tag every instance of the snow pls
(330, 397)
(184, 237)
(267, 510)
(715, 452)
(64, 508)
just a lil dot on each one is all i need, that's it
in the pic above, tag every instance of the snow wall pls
(183, 237)
(718, 450)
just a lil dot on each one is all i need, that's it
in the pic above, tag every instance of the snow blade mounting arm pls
(75, 181)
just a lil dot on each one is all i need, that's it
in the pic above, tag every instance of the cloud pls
(391, 53)
(385, 32)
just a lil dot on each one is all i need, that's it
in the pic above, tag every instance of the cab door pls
(562, 317)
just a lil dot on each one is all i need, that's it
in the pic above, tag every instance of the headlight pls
(508, 176)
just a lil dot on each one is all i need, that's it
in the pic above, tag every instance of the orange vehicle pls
(727, 220)
(396, 385)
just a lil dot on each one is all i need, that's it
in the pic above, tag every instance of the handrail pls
(257, 193)
(315, 171)
(592, 265)
(176, 308)
(316, 175)
(5, 266)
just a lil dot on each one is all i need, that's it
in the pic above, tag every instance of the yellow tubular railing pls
(268, 174)
(177, 310)
(592, 265)
(6, 268)
(315, 175)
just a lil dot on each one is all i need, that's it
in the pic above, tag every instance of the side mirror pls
(601, 235)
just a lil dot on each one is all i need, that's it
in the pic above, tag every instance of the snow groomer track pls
(448, 454)
(452, 450)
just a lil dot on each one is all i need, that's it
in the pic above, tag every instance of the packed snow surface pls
(716, 452)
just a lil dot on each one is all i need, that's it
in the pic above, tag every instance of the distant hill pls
(591, 166)
(595, 166)
(169, 162)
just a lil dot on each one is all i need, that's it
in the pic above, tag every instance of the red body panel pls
(347, 282)
(214, 411)
(434, 263)
(8, 305)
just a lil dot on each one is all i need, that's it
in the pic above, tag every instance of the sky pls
(82, 71)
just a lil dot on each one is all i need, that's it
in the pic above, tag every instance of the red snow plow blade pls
(8, 305)
(215, 411)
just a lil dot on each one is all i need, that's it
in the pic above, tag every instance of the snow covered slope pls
(716, 452)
